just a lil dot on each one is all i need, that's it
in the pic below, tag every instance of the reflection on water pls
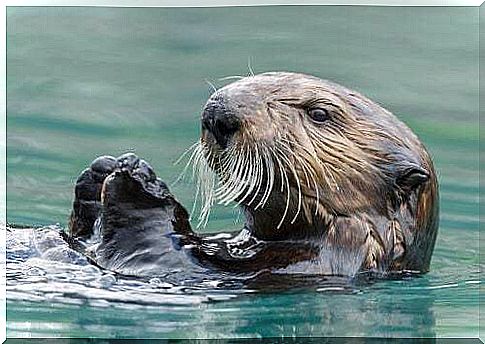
(89, 81)
(42, 282)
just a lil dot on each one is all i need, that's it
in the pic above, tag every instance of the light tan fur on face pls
(339, 167)
(358, 181)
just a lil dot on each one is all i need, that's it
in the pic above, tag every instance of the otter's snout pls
(220, 121)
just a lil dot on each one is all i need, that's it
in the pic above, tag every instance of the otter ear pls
(411, 176)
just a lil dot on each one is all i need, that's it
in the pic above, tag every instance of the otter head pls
(294, 151)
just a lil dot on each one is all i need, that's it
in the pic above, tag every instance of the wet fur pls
(357, 193)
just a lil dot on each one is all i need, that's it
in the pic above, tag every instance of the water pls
(89, 81)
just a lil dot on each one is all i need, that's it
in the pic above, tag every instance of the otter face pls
(303, 149)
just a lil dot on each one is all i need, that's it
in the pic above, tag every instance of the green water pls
(89, 81)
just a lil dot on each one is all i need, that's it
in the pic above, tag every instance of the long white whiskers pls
(306, 168)
(184, 171)
(283, 175)
(297, 179)
(269, 177)
(251, 72)
(259, 175)
(214, 89)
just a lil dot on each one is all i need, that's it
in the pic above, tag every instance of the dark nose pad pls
(218, 120)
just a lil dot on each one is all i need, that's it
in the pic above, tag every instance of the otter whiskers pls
(192, 148)
(232, 178)
(268, 161)
(246, 174)
(259, 175)
(305, 166)
(284, 182)
(297, 179)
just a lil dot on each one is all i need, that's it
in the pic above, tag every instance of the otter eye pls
(318, 115)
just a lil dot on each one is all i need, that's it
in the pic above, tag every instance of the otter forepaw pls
(133, 182)
(132, 210)
(87, 195)
(112, 185)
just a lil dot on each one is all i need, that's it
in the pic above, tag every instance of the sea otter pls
(329, 183)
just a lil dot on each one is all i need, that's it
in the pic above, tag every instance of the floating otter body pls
(329, 183)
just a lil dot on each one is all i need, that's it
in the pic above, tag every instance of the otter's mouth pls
(252, 175)
(241, 169)
(219, 122)
(239, 161)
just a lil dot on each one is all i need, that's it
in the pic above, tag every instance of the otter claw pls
(129, 161)
(132, 164)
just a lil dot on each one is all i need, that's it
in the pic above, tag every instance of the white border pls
(134, 3)
(218, 3)
(3, 174)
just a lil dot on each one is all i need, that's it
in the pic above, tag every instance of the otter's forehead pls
(264, 104)
(251, 94)
(271, 84)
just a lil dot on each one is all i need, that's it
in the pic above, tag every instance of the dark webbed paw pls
(115, 186)
(87, 195)
(134, 184)
(134, 213)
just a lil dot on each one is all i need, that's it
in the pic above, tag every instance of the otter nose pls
(220, 122)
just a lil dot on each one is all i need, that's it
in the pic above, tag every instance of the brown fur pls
(354, 193)
(377, 189)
